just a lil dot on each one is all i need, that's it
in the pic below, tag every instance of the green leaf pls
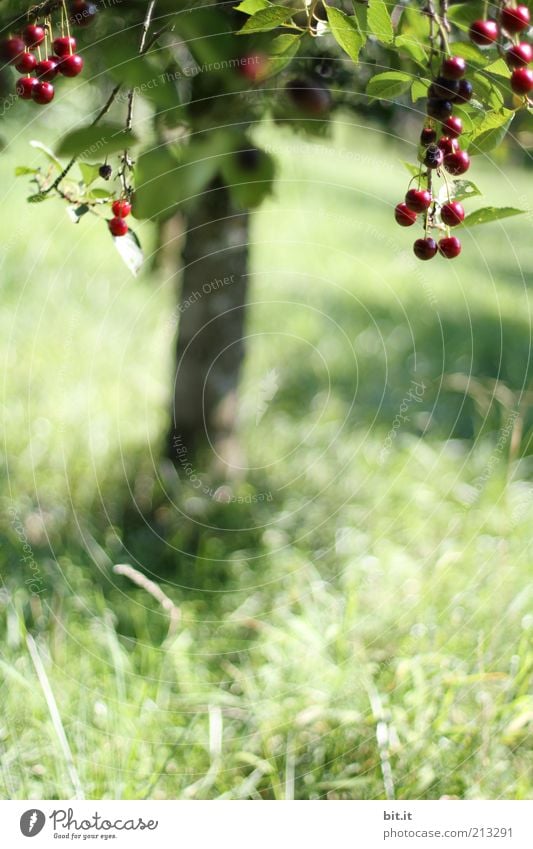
(345, 32)
(100, 194)
(268, 19)
(282, 50)
(463, 14)
(389, 84)
(94, 143)
(38, 198)
(89, 173)
(491, 131)
(414, 24)
(463, 189)
(76, 213)
(486, 91)
(379, 22)
(490, 213)
(413, 48)
(414, 170)
(472, 54)
(250, 7)
(499, 67)
(22, 170)
(48, 153)
(419, 89)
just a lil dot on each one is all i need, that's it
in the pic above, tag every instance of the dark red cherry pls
(452, 213)
(64, 45)
(519, 55)
(42, 92)
(439, 109)
(26, 63)
(425, 248)
(404, 216)
(11, 49)
(118, 227)
(457, 163)
(453, 67)
(46, 69)
(428, 136)
(450, 247)
(433, 157)
(514, 19)
(418, 200)
(522, 80)
(71, 65)
(484, 32)
(453, 127)
(448, 145)
(24, 87)
(33, 36)
(464, 93)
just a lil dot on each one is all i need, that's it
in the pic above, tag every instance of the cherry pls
(47, 69)
(428, 136)
(11, 48)
(453, 127)
(118, 226)
(121, 208)
(522, 80)
(450, 247)
(453, 67)
(404, 216)
(83, 13)
(515, 19)
(519, 55)
(457, 163)
(254, 66)
(42, 92)
(448, 145)
(452, 213)
(425, 248)
(309, 96)
(438, 109)
(418, 200)
(484, 32)
(64, 45)
(33, 35)
(26, 63)
(105, 171)
(70, 66)
(24, 87)
(434, 156)
(465, 92)
(443, 88)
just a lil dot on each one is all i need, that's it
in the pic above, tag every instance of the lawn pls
(356, 612)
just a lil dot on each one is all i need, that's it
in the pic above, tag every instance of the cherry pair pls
(118, 225)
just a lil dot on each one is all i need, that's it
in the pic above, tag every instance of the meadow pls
(353, 614)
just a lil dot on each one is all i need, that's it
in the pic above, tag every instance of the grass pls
(364, 630)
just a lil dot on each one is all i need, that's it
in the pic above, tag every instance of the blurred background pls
(349, 613)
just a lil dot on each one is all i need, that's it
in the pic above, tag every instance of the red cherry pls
(484, 32)
(404, 216)
(24, 87)
(428, 136)
(453, 67)
(448, 145)
(457, 163)
(519, 55)
(71, 66)
(64, 45)
(425, 248)
(254, 66)
(515, 19)
(42, 92)
(33, 36)
(11, 48)
(522, 80)
(418, 200)
(121, 208)
(26, 63)
(47, 69)
(450, 247)
(452, 213)
(118, 226)
(453, 127)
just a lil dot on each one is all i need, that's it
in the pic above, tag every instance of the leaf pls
(472, 54)
(250, 7)
(487, 91)
(89, 173)
(268, 19)
(38, 198)
(345, 32)
(379, 22)
(462, 189)
(100, 194)
(282, 50)
(96, 142)
(48, 153)
(491, 132)
(413, 48)
(490, 213)
(463, 14)
(389, 84)
(22, 170)
(130, 251)
(419, 89)
(499, 67)
(414, 170)
(75, 213)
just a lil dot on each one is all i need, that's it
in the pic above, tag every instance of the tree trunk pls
(210, 346)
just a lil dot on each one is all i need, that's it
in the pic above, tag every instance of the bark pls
(210, 345)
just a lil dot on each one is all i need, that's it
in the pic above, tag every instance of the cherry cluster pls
(512, 21)
(118, 226)
(439, 150)
(40, 57)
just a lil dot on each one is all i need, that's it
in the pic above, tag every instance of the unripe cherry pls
(452, 213)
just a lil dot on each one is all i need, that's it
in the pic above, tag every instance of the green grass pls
(365, 632)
